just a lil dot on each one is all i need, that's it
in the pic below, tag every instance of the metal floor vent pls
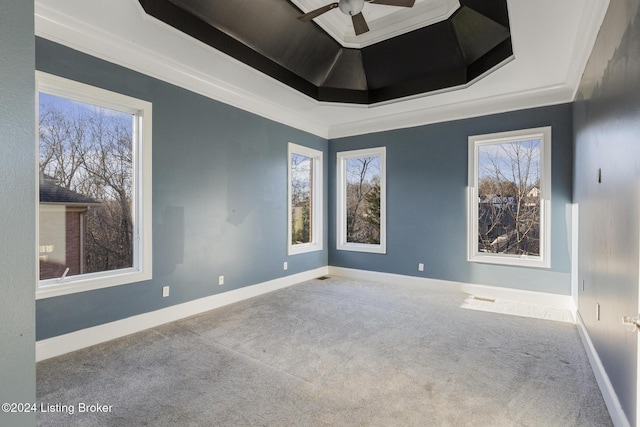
(484, 299)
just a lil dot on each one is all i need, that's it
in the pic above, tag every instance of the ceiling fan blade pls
(401, 3)
(315, 13)
(359, 24)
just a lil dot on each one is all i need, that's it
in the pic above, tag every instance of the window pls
(509, 197)
(361, 213)
(305, 199)
(94, 213)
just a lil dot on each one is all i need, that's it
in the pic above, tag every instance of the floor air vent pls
(484, 299)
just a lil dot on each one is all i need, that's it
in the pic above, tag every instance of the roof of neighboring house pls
(50, 192)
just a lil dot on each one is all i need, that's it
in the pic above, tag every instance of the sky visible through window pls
(72, 106)
(85, 150)
(512, 161)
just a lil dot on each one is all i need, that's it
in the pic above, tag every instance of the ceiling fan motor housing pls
(351, 7)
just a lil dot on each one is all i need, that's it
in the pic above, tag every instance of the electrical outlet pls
(220, 280)
(420, 266)
(285, 265)
(165, 291)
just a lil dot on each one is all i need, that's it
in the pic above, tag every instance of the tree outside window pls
(509, 198)
(361, 200)
(301, 198)
(509, 181)
(304, 199)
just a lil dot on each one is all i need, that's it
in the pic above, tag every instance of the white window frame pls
(341, 201)
(317, 192)
(142, 259)
(544, 259)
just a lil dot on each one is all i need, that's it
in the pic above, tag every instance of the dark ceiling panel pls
(347, 72)
(496, 10)
(490, 60)
(427, 52)
(477, 34)
(267, 35)
(190, 24)
(453, 78)
(270, 28)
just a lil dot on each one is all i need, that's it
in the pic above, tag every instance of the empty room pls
(297, 212)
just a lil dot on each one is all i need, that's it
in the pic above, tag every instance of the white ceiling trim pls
(593, 13)
(455, 111)
(552, 42)
(78, 35)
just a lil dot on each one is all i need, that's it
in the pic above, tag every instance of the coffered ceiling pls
(549, 40)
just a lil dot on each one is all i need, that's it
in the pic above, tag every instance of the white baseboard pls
(618, 416)
(67, 343)
(551, 301)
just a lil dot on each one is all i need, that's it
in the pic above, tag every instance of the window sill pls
(55, 287)
(361, 247)
(510, 260)
(304, 248)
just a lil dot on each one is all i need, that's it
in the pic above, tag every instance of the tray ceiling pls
(450, 45)
(551, 42)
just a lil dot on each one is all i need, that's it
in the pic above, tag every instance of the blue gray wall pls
(18, 195)
(219, 198)
(607, 129)
(427, 202)
(219, 184)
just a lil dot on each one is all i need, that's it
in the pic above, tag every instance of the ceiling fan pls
(353, 8)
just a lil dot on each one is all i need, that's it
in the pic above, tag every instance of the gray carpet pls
(336, 352)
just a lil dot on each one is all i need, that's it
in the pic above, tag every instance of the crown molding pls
(120, 32)
(57, 26)
(553, 95)
(590, 23)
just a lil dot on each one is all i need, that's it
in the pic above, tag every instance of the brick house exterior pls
(62, 227)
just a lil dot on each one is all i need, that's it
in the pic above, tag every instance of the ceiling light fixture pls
(353, 8)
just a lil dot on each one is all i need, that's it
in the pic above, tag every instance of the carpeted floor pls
(336, 352)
